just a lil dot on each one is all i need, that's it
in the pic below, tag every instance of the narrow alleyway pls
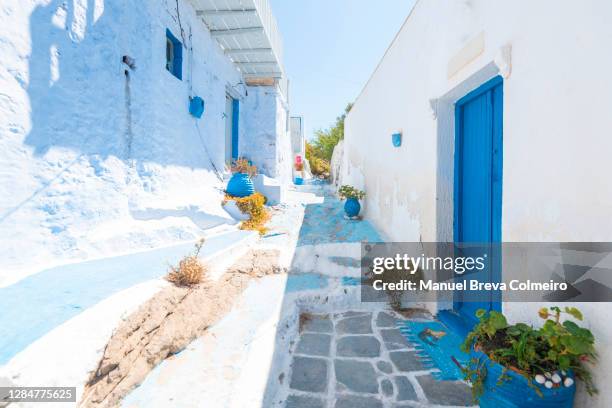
(304, 339)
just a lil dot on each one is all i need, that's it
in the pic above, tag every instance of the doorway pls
(232, 112)
(478, 189)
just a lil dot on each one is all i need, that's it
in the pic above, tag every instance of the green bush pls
(529, 351)
(319, 152)
(347, 191)
(318, 166)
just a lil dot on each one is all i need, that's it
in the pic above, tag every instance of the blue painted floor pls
(175, 382)
(37, 304)
(325, 223)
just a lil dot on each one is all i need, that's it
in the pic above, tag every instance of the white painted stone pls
(274, 190)
(232, 209)
(96, 163)
(556, 131)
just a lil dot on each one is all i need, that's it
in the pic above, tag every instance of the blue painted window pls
(174, 55)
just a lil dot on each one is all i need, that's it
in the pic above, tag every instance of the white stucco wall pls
(298, 140)
(264, 139)
(284, 159)
(92, 164)
(556, 131)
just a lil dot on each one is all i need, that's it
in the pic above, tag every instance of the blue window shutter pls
(177, 50)
(178, 60)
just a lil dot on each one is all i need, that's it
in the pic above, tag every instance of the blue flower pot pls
(352, 207)
(396, 139)
(515, 392)
(299, 181)
(240, 185)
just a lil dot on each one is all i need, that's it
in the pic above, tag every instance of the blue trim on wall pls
(235, 129)
(493, 82)
(177, 62)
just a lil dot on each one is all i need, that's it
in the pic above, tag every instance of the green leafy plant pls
(556, 346)
(475, 373)
(346, 192)
(318, 166)
(320, 150)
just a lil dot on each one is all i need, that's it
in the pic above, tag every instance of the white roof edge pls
(232, 22)
(416, 3)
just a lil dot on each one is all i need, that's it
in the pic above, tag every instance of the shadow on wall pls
(200, 218)
(69, 105)
(81, 98)
(84, 98)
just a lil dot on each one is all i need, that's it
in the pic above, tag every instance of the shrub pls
(532, 352)
(242, 165)
(318, 166)
(190, 271)
(319, 151)
(254, 205)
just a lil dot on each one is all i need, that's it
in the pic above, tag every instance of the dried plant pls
(255, 206)
(242, 165)
(190, 271)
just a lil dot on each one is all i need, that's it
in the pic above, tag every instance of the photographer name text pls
(468, 285)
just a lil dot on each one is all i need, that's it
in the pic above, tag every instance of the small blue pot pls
(515, 392)
(352, 207)
(299, 181)
(240, 185)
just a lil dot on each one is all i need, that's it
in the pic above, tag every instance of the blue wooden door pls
(235, 123)
(232, 120)
(478, 187)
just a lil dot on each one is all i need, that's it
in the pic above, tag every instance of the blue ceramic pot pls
(299, 181)
(515, 392)
(352, 207)
(240, 185)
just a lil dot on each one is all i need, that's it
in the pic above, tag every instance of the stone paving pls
(360, 360)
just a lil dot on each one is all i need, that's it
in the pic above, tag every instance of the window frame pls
(174, 65)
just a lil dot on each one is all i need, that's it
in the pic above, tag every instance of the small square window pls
(174, 55)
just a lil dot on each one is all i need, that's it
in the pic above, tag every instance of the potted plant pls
(352, 196)
(299, 168)
(519, 366)
(241, 184)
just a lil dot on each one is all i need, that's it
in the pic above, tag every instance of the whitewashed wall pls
(557, 128)
(264, 136)
(91, 164)
(284, 159)
(298, 141)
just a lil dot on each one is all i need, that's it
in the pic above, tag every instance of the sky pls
(331, 47)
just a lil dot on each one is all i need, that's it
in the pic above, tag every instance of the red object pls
(298, 159)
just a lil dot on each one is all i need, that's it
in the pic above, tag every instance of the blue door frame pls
(235, 122)
(478, 185)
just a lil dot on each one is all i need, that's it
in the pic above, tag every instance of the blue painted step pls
(443, 353)
(39, 303)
